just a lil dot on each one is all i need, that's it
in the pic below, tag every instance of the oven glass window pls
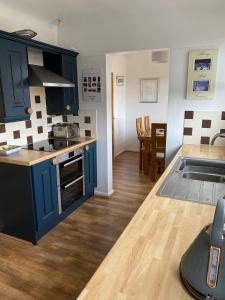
(71, 169)
(71, 192)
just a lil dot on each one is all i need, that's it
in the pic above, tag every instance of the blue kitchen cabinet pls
(14, 89)
(90, 161)
(69, 71)
(45, 196)
(62, 101)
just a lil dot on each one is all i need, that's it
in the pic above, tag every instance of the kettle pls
(202, 267)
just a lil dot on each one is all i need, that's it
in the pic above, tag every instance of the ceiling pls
(69, 9)
(105, 26)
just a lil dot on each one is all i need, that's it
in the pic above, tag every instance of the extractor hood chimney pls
(40, 76)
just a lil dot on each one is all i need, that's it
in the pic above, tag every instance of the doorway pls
(127, 69)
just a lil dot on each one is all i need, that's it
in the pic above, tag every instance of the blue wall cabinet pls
(62, 101)
(69, 71)
(14, 90)
(45, 196)
(90, 161)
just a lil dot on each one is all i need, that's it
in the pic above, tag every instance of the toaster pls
(66, 130)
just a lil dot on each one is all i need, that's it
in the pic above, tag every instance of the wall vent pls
(160, 56)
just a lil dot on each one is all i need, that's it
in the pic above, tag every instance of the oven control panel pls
(65, 156)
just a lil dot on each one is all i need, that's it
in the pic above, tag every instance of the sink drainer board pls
(195, 179)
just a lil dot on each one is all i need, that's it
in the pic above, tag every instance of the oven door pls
(71, 169)
(72, 191)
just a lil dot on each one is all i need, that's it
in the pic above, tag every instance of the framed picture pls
(119, 80)
(149, 90)
(91, 84)
(202, 69)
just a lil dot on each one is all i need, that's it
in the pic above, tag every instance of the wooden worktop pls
(31, 157)
(144, 262)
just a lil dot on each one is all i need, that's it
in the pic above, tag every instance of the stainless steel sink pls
(200, 180)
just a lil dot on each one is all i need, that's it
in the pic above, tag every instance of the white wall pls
(177, 102)
(104, 128)
(118, 67)
(139, 65)
(12, 20)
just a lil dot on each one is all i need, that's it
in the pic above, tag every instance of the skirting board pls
(101, 194)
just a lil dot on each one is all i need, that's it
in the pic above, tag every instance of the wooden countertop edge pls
(100, 272)
(20, 158)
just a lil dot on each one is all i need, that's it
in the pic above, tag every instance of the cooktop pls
(50, 145)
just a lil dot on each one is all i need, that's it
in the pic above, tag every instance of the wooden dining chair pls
(140, 131)
(158, 150)
(147, 124)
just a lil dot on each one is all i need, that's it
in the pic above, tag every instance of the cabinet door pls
(90, 168)
(14, 80)
(69, 71)
(45, 196)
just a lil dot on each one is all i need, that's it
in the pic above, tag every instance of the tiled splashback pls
(40, 125)
(201, 126)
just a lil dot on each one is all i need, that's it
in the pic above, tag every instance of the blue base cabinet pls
(45, 197)
(90, 164)
(29, 197)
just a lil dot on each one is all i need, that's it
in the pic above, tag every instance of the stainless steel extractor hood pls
(40, 76)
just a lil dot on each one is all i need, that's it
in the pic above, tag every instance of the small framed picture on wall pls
(149, 90)
(119, 80)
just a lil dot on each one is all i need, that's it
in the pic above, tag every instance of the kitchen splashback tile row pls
(201, 126)
(39, 127)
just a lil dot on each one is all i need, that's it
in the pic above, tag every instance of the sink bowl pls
(202, 166)
(204, 177)
(192, 179)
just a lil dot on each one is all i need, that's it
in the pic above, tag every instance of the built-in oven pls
(70, 178)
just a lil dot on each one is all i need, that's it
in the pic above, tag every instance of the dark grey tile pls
(50, 134)
(189, 115)
(16, 134)
(40, 129)
(3, 143)
(49, 120)
(206, 123)
(188, 130)
(87, 132)
(222, 130)
(39, 115)
(30, 139)
(65, 119)
(87, 120)
(205, 140)
(28, 124)
(2, 128)
(37, 99)
(223, 115)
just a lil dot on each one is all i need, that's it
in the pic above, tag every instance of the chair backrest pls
(139, 128)
(147, 123)
(158, 138)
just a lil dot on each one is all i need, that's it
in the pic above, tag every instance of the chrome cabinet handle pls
(72, 162)
(73, 182)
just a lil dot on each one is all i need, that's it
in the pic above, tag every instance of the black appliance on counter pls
(51, 145)
(202, 267)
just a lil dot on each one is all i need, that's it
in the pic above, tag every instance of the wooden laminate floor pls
(65, 259)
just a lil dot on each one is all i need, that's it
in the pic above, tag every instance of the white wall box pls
(202, 69)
